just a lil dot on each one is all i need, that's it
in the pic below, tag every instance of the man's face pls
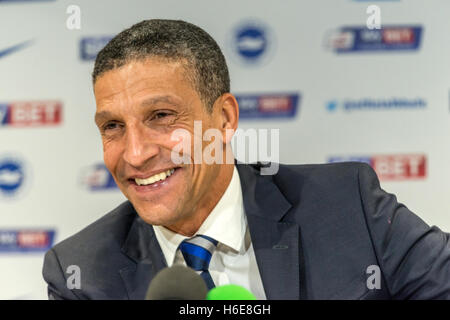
(139, 106)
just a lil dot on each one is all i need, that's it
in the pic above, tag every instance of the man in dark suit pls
(303, 232)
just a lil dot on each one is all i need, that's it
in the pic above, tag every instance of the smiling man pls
(306, 232)
(139, 106)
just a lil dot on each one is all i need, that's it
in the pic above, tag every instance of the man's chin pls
(155, 214)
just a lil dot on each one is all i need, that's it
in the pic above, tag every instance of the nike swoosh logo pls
(17, 47)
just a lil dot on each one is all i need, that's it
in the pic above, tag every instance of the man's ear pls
(229, 116)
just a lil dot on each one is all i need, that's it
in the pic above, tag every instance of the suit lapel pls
(276, 242)
(142, 247)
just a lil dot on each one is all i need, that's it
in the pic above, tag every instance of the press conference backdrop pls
(334, 88)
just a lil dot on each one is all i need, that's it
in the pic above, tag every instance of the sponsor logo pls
(392, 167)
(388, 38)
(371, 104)
(97, 178)
(26, 240)
(14, 176)
(30, 113)
(278, 105)
(91, 46)
(10, 50)
(251, 42)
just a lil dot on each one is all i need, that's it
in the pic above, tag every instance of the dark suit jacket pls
(315, 229)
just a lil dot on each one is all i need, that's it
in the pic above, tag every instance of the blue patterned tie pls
(197, 252)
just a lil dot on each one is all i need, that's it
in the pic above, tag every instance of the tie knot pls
(197, 251)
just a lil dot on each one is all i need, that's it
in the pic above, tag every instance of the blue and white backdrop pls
(337, 88)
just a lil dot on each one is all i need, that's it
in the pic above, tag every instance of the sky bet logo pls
(97, 178)
(388, 38)
(279, 105)
(392, 167)
(25, 241)
(30, 113)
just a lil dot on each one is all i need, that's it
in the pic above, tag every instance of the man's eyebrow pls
(147, 102)
(102, 115)
(159, 99)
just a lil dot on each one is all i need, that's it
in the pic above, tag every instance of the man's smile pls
(154, 182)
(154, 178)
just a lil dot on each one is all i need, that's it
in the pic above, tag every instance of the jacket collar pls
(261, 195)
(275, 239)
(142, 247)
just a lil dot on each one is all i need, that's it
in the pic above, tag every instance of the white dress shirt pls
(233, 261)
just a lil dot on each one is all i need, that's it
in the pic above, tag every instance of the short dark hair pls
(172, 40)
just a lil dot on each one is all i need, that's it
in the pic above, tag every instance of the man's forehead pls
(138, 75)
(137, 66)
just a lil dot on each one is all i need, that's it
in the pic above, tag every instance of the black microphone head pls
(177, 283)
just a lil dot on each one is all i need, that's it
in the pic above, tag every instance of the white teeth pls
(154, 178)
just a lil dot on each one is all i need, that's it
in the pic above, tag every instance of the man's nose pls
(139, 146)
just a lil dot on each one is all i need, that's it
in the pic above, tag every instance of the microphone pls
(230, 292)
(177, 283)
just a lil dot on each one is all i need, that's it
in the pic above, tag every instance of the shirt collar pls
(226, 223)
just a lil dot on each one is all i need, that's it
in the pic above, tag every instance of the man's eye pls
(160, 115)
(110, 126)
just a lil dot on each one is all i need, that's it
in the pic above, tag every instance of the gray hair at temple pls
(174, 40)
